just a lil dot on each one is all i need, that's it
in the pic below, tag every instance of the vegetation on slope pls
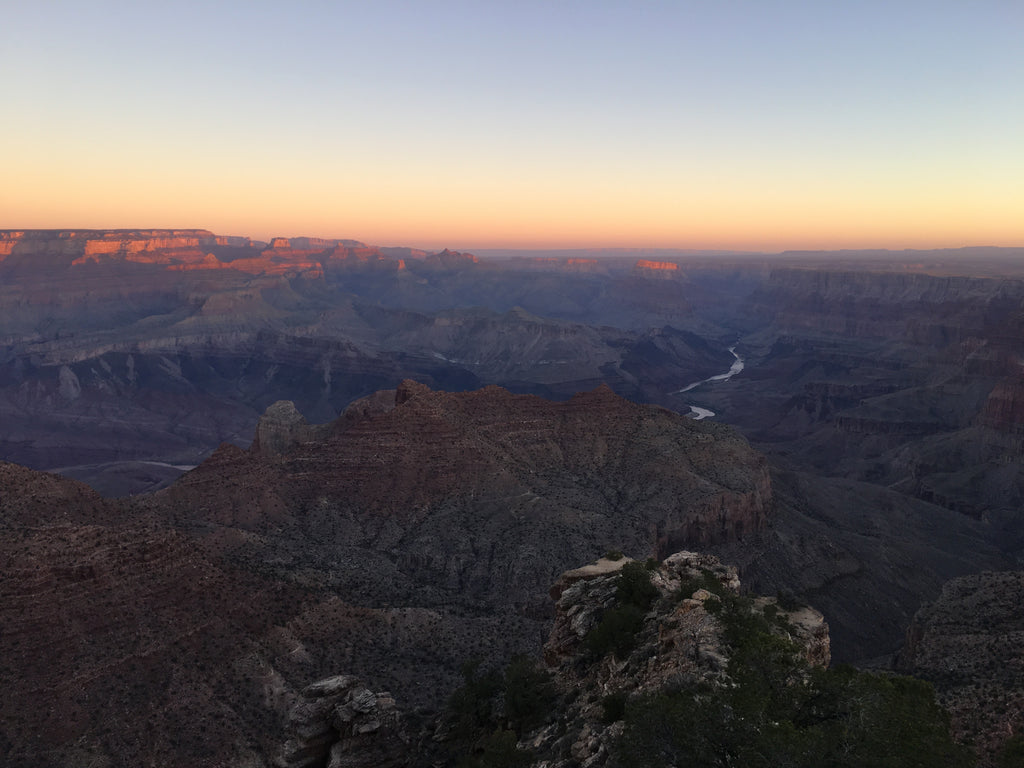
(776, 710)
(768, 706)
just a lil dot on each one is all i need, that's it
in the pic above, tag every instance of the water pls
(704, 413)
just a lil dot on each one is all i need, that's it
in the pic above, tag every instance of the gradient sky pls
(760, 124)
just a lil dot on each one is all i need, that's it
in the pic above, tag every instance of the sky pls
(733, 124)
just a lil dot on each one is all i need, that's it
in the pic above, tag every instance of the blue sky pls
(686, 124)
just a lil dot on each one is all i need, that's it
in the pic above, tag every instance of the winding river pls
(703, 413)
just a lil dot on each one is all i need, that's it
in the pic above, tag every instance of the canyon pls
(418, 530)
(318, 457)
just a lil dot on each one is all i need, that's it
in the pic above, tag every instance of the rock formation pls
(339, 723)
(679, 640)
(642, 477)
(158, 345)
(419, 529)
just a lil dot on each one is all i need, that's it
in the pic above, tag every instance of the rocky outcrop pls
(450, 259)
(172, 250)
(1004, 408)
(688, 639)
(339, 723)
(679, 643)
(280, 428)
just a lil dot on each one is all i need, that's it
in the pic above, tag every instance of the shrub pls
(616, 632)
(635, 587)
(778, 711)
(788, 601)
(613, 707)
(529, 694)
(706, 580)
(619, 625)
(498, 750)
(1012, 753)
(472, 705)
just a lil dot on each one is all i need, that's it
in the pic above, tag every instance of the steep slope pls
(866, 556)
(122, 643)
(968, 643)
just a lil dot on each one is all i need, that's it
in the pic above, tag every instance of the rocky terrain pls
(897, 369)
(417, 531)
(392, 536)
(878, 379)
(156, 346)
(677, 640)
(968, 644)
(647, 664)
(906, 381)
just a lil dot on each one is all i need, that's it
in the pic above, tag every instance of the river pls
(703, 413)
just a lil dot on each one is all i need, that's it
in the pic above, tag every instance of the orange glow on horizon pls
(524, 212)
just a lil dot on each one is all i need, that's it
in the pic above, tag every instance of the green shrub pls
(635, 587)
(706, 580)
(497, 750)
(472, 705)
(788, 601)
(779, 712)
(1012, 753)
(616, 632)
(529, 694)
(613, 707)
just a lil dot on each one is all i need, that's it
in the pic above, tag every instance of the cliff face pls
(1004, 408)
(656, 268)
(33, 251)
(922, 308)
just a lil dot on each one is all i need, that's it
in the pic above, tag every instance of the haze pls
(739, 125)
